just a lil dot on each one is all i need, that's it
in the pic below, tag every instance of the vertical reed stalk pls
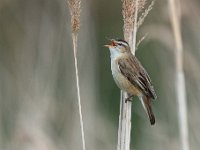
(130, 13)
(180, 79)
(74, 6)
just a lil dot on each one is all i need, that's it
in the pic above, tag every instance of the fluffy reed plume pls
(130, 9)
(129, 12)
(144, 14)
(180, 77)
(75, 9)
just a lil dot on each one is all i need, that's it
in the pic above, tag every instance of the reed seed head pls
(75, 10)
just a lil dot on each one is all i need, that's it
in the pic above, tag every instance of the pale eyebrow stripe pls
(123, 43)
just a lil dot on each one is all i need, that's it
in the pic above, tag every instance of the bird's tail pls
(146, 102)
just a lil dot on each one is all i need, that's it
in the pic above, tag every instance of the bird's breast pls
(121, 81)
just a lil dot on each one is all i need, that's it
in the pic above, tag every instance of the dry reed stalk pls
(180, 78)
(130, 10)
(130, 13)
(75, 9)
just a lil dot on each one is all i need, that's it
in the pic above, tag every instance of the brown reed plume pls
(75, 10)
(130, 10)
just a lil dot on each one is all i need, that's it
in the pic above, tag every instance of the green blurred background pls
(38, 104)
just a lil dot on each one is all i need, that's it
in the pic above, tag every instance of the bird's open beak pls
(112, 43)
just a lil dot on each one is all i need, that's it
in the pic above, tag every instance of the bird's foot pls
(129, 98)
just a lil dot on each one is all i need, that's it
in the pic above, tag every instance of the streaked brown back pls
(132, 69)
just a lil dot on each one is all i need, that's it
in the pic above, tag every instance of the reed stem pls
(130, 30)
(174, 6)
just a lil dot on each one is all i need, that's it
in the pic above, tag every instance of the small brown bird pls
(130, 76)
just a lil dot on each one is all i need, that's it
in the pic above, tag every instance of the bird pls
(130, 76)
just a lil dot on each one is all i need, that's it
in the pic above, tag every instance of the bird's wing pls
(131, 68)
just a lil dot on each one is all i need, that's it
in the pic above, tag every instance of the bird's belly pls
(123, 83)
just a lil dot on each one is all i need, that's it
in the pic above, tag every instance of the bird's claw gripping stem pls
(129, 99)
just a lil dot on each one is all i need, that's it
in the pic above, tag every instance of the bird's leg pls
(129, 98)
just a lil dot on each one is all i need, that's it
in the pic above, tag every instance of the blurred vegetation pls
(38, 105)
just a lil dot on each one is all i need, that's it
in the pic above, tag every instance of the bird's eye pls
(120, 44)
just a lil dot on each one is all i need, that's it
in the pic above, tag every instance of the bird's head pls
(118, 47)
